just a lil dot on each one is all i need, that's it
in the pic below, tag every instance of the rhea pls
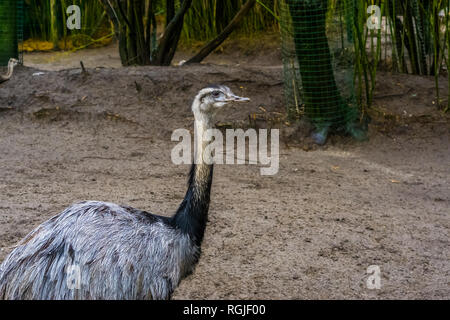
(100, 250)
(11, 64)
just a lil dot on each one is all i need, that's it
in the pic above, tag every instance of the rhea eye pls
(216, 94)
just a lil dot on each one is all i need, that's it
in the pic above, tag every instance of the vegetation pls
(323, 102)
(208, 18)
(233, 24)
(135, 26)
(413, 38)
(46, 20)
(8, 32)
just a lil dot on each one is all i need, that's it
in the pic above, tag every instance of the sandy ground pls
(237, 51)
(309, 232)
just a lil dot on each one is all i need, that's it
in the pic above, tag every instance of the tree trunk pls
(8, 31)
(324, 105)
(169, 42)
(170, 10)
(212, 45)
(135, 27)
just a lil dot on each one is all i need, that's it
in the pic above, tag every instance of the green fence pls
(318, 57)
(11, 30)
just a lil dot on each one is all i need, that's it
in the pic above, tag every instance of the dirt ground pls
(309, 232)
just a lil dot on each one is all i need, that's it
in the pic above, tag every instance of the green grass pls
(207, 18)
(94, 22)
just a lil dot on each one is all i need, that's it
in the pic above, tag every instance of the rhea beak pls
(233, 97)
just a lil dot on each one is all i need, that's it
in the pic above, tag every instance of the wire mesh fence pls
(11, 30)
(318, 58)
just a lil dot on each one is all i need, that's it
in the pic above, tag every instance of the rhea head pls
(212, 98)
(13, 62)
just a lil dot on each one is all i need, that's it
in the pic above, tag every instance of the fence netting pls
(11, 30)
(318, 58)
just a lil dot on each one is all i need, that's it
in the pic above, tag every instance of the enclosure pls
(101, 130)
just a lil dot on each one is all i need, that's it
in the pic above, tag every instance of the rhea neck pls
(192, 215)
(10, 70)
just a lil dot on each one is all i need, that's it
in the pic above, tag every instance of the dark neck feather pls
(192, 215)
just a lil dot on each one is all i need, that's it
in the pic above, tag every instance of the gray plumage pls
(121, 253)
(100, 250)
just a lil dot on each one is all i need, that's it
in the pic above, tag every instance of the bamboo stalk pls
(53, 24)
(213, 44)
